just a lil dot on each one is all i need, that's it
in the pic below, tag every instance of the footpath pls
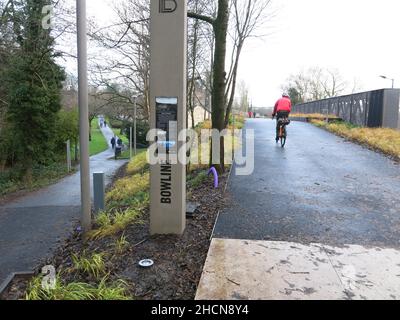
(316, 220)
(33, 226)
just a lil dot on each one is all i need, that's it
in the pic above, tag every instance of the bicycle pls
(283, 123)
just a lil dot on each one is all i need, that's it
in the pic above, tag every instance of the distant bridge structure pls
(378, 108)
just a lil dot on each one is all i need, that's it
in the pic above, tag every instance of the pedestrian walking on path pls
(113, 142)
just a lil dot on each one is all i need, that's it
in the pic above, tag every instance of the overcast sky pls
(361, 38)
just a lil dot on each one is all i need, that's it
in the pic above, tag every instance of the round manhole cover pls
(147, 263)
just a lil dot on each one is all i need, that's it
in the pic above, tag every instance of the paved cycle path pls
(32, 226)
(319, 219)
(320, 188)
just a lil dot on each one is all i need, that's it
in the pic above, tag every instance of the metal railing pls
(379, 108)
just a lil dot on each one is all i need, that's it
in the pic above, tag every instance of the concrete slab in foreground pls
(261, 270)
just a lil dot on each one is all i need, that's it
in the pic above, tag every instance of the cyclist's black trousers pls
(280, 115)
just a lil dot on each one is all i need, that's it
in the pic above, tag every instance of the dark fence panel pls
(379, 108)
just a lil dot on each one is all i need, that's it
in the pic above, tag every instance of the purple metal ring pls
(216, 179)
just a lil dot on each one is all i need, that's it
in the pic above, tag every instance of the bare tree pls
(357, 86)
(315, 78)
(126, 58)
(219, 24)
(333, 84)
(243, 99)
(247, 19)
(315, 84)
(200, 43)
(302, 85)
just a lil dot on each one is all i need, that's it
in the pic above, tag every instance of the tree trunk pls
(192, 83)
(193, 120)
(234, 81)
(2, 165)
(28, 171)
(220, 27)
(219, 81)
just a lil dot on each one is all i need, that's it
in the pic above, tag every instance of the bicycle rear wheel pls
(283, 137)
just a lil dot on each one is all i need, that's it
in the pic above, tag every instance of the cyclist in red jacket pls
(282, 109)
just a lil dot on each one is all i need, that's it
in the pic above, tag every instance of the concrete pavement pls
(32, 226)
(321, 194)
(272, 270)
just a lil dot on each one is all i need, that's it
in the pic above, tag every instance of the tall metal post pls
(99, 191)
(83, 114)
(135, 128)
(233, 136)
(69, 166)
(130, 143)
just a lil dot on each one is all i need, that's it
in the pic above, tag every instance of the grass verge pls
(237, 122)
(93, 264)
(98, 143)
(316, 116)
(197, 178)
(77, 291)
(383, 140)
(126, 202)
(114, 222)
(11, 181)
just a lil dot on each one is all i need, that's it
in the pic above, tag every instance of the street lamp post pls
(83, 114)
(130, 143)
(135, 127)
(386, 78)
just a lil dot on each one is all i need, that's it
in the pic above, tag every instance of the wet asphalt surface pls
(319, 189)
(32, 226)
